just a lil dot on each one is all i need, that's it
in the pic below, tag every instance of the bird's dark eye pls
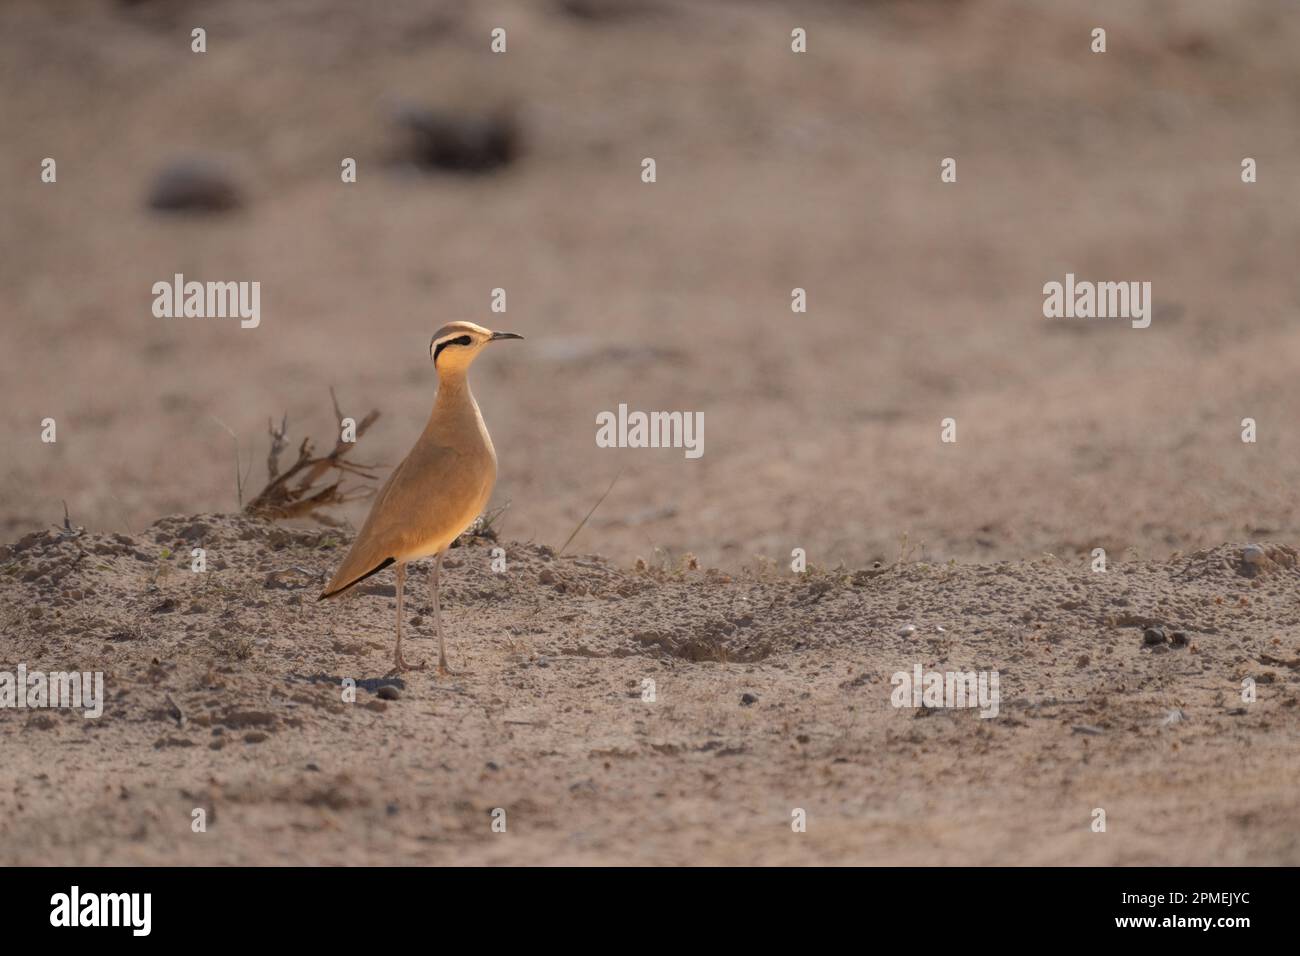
(458, 340)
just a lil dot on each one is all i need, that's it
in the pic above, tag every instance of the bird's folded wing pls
(420, 502)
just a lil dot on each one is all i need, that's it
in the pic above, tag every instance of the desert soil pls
(775, 171)
(771, 693)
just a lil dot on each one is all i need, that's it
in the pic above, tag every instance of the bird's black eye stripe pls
(458, 340)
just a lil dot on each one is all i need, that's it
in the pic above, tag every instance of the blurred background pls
(775, 170)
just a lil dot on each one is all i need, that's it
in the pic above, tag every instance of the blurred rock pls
(607, 11)
(460, 142)
(195, 184)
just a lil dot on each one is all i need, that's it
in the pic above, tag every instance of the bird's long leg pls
(399, 663)
(437, 616)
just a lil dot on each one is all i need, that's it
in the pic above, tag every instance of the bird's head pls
(456, 344)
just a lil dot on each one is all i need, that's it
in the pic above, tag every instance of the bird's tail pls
(334, 589)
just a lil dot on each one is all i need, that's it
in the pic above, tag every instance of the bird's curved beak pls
(504, 335)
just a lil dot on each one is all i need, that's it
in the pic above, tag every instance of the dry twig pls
(297, 491)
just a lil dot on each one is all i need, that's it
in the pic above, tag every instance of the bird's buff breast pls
(454, 509)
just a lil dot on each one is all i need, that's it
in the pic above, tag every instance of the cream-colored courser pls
(438, 489)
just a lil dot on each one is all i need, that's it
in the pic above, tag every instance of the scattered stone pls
(603, 11)
(1088, 730)
(194, 185)
(1252, 554)
(1153, 635)
(292, 578)
(237, 719)
(907, 630)
(389, 692)
(1178, 638)
(747, 698)
(460, 142)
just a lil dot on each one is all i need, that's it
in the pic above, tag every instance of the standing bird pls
(440, 487)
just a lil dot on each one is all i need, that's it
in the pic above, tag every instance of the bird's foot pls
(400, 664)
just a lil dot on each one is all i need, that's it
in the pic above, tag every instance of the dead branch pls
(297, 492)
(277, 445)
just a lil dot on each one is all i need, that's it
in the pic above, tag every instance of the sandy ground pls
(772, 693)
(775, 171)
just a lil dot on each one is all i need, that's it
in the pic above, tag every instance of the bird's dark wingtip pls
(355, 581)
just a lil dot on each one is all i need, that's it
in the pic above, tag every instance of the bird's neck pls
(454, 399)
(456, 414)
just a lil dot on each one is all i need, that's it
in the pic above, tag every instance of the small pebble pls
(1252, 554)
(1178, 638)
(907, 630)
(1153, 635)
(1087, 729)
(389, 692)
(746, 699)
